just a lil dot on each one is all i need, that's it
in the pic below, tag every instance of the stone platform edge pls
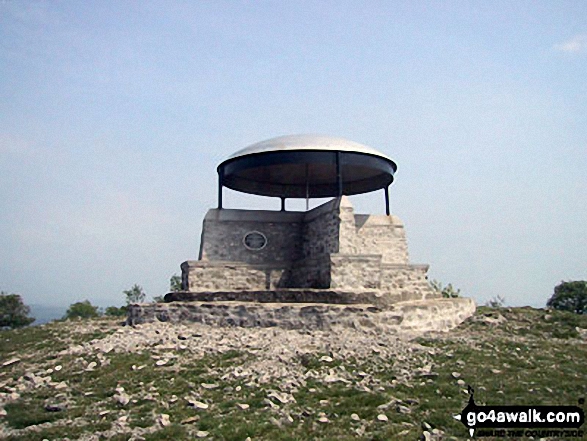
(416, 316)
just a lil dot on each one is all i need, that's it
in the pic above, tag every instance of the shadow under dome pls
(307, 166)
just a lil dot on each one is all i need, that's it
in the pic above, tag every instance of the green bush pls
(175, 283)
(447, 291)
(113, 311)
(82, 310)
(570, 296)
(13, 312)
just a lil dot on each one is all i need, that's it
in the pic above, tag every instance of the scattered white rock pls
(403, 409)
(201, 434)
(382, 417)
(91, 366)
(326, 359)
(163, 420)
(198, 404)
(58, 368)
(456, 375)
(209, 385)
(61, 385)
(121, 398)
(11, 361)
(283, 398)
(243, 406)
(355, 417)
(161, 362)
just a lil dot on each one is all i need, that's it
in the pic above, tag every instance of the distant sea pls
(45, 313)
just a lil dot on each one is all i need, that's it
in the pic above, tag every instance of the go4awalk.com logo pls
(518, 421)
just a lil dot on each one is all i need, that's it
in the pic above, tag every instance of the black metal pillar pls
(220, 184)
(387, 210)
(282, 203)
(338, 174)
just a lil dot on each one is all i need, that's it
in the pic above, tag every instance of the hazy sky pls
(115, 114)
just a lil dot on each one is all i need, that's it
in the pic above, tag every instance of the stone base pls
(411, 316)
(293, 295)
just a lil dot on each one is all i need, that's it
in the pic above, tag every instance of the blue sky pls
(114, 116)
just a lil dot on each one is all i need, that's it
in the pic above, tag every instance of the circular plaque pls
(254, 240)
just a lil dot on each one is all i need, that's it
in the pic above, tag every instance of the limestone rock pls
(10, 362)
(198, 404)
(163, 420)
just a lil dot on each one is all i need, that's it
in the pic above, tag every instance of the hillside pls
(96, 379)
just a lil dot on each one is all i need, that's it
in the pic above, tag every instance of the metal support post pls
(220, 184)
(338, 174)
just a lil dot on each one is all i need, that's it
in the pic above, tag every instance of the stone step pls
(415, 316)
(304, 295)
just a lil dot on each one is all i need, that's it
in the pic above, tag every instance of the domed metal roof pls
(306, 166)
(307, 142)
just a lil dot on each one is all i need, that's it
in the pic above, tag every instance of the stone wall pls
(200, 276)
(372, 234)
(352, 271)
(327, 247)
(414, 316)
(320, 230)
(406, 282)
(223, 232)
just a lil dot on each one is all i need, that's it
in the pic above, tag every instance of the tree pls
(175, 283)
(113, 311)
(447, 291)
(570, 296)
(82, 310)
(13, 312)
(496, 302)
(134, 295)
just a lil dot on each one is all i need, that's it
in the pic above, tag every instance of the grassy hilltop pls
(95, 379)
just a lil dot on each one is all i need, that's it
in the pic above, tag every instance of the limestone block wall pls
(406, 282)
(413, 317)
(372, 234)
(327, 247)
(320, 230)
(357, 272)
(223, 232)
(381, 235)
(201, 276)
(312, 272)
